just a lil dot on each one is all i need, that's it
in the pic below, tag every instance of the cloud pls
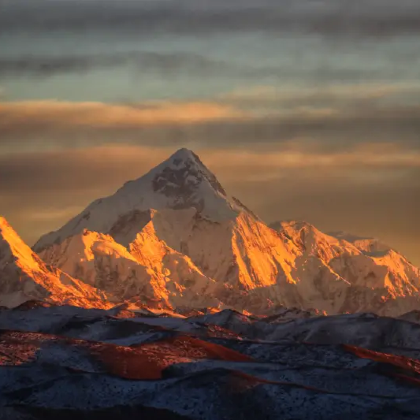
(372, 18)
(105, 168)
(99, 166)
(193, 40)
(83, 169)
(254, 119)
(167, 64)
(57, 122)
(103, 115)
(178, 64)
(332, 94)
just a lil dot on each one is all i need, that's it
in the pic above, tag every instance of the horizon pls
(304, 111)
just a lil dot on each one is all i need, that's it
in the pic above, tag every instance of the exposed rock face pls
(182, 179)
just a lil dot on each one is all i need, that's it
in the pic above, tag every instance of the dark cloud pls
(330, 17)
(165, 64)
(94, 24)
(179, 64)
(171, 65)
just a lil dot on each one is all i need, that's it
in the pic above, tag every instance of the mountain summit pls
(180, 182)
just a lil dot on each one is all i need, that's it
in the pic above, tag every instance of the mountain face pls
(181, 182)
(24, 276)
(366, 245)
(381, 281)
(175, 239)
(148, 272)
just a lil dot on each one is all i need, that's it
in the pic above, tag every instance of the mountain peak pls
(180, 182)
(12, 245)
(182, 174)
(14, 250)
(4, 224)
(184, 154)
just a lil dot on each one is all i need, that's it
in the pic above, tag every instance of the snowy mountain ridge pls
(175, 239)
(24, 276)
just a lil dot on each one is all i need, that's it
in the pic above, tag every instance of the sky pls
(305, 110)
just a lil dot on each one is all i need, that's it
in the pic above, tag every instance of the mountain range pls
(175, 240)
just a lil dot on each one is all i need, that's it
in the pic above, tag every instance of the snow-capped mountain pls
(175, 238)
(181, 182)
(24, 276)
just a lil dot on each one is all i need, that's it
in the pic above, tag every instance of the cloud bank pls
(367, 18)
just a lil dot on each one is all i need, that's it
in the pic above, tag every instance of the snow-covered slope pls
(174, 238)
(383, 282)
(148, 272)
(185, 260)
(366, 245)
(180, 182)
(24, 276)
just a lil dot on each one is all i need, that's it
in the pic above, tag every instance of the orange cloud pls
(104, 115)
(109, 166)
(351, 91)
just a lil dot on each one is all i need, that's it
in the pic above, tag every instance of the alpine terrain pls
(175, 240)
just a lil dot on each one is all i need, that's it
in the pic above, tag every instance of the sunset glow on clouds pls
(303, 110)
